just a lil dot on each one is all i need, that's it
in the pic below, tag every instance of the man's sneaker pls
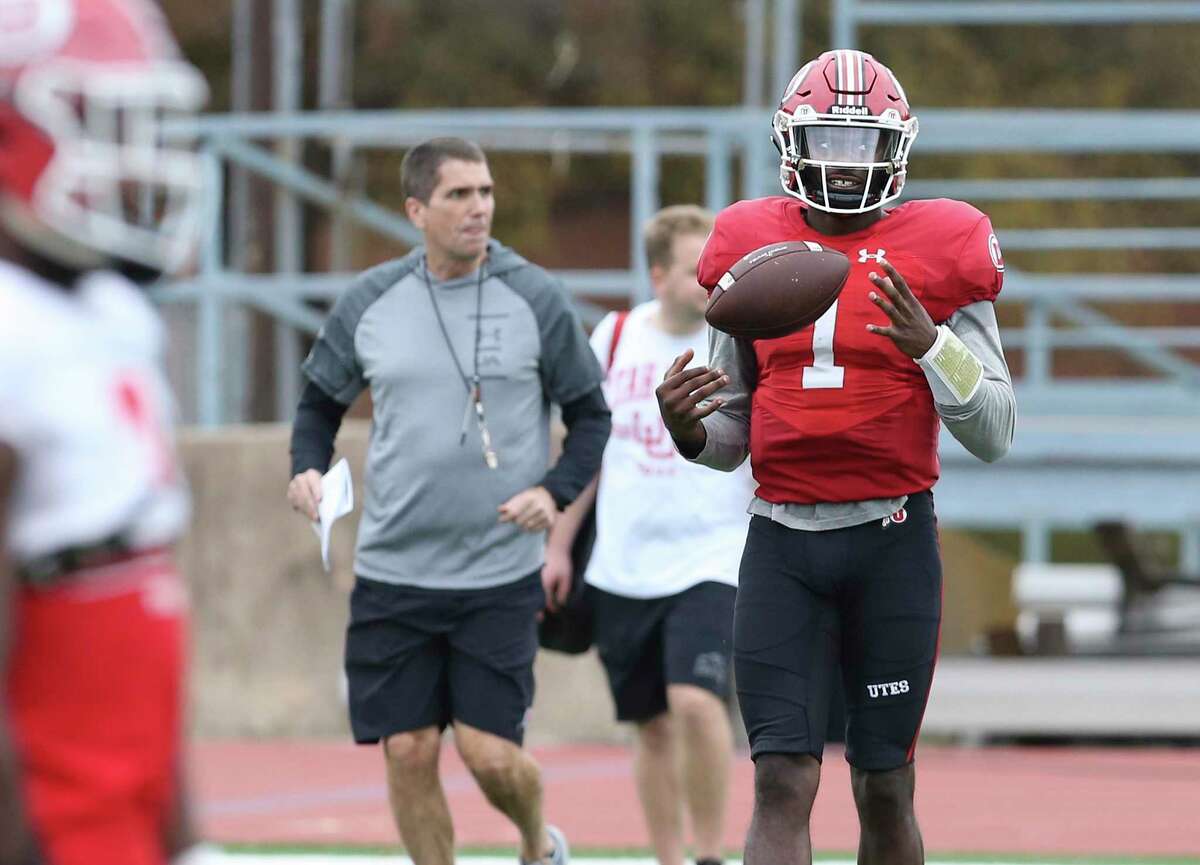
(562, 850)
(560, 855)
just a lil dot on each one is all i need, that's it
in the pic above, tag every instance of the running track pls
(1059, 801)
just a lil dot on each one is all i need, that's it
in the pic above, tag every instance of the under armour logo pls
(864, 256)
(897, 518)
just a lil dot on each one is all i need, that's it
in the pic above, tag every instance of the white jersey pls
(86, 406)
(663, 524)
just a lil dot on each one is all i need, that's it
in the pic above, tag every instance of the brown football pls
(777, 289)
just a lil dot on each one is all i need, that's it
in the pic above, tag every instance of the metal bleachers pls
(1086, 447)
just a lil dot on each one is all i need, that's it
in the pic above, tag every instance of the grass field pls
(353, 857)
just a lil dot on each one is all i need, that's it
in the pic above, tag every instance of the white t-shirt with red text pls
(663, 524)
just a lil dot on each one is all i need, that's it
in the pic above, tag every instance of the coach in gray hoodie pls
(464, 346)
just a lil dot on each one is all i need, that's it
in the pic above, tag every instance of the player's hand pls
(533, 510)
(679, 398)
(911, 328)
(304, 492)
(556, 578)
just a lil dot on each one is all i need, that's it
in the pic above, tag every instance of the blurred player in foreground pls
(92, 610)
(841, 423)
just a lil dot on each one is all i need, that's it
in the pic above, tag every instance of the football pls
(777, 289)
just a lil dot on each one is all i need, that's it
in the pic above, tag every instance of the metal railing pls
(1059, 309)
(721, 138)
(848, 15)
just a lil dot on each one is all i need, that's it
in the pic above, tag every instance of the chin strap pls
(954, 373)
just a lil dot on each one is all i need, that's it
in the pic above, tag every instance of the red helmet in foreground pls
(86, 179)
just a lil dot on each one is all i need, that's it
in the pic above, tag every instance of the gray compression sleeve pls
(727, 430)
(984, 423)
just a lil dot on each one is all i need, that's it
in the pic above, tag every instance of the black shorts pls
(416, 658)
(867, 599)
(646, 644)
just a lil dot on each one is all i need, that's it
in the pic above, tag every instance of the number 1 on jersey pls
(824, 373)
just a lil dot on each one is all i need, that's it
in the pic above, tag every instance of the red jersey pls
(839, 414)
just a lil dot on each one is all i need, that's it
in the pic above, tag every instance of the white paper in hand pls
(337, 500)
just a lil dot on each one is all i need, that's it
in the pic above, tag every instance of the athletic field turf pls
(350, 858)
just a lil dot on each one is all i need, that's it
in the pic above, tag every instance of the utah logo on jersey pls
(994, 252)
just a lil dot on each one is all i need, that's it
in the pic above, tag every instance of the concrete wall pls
(269, 621)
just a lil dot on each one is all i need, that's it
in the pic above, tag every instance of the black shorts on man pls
(647, 644)
(867, 598)
(418, 658)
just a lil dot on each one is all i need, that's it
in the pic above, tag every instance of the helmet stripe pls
(862, 78)
(899, 89)
(797, 80)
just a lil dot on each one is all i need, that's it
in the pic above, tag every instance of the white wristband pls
(954, 373)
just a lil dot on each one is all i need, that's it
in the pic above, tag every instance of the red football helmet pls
(86, 178)
(843, 130)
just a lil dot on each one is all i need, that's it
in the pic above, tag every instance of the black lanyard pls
(472, 384)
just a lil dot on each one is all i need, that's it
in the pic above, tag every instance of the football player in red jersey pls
(93, 614)
(841, 566)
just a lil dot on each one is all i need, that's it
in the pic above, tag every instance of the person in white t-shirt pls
(663, 573)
